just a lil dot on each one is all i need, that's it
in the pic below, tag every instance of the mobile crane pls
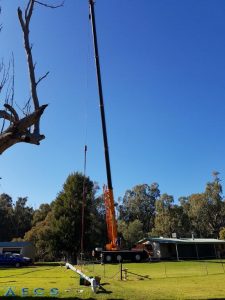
(112, 251)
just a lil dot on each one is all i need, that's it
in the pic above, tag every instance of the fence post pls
(165, 269)
(206, 268)
(125, 273)
(121, 271)
(222, 266)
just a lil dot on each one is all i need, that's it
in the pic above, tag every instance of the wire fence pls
(151, 270)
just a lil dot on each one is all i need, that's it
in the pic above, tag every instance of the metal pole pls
(92, 281)
(177, 252)
(216, 256)
(196, 248)
(98, 71)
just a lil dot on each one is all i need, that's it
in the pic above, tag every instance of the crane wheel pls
(137, 257)
(119, 258)
(108, 258)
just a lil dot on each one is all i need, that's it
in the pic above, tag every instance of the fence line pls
(162, 269)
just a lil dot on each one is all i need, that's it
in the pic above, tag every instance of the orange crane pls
(110, 220)
(113, 251)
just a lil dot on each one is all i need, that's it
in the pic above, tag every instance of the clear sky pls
(163, 72)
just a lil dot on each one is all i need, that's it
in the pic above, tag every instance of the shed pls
(184, 248)
(24, 248)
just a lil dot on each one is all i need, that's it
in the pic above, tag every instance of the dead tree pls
(26, 128)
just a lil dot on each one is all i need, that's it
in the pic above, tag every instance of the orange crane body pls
(110, 220)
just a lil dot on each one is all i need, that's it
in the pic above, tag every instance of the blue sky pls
(163, 72)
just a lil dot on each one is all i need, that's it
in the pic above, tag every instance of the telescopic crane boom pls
(108, 191)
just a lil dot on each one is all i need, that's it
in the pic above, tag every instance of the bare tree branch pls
(6, 116)
(25, 28)
(13, 112)
(28, 121)
(13, 82)
(41, 78)
(49, 6)
(26, 129)
(26, 109)
(18, 132)
(0, 24)
(5, 74)
(28, 13)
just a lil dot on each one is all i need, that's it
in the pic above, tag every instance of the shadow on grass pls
(52, 264)
(33, 266)
(102, 290)
(10, 281)
(211, 262)
(44, 298)
(28, 271)
(54, 298)
(24, 267)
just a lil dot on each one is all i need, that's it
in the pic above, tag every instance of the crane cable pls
(84, 192)
(83, 204)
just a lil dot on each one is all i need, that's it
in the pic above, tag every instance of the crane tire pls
(137, 257)
(108, 258)
(119, 258)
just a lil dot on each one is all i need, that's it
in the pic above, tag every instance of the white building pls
(184, 248)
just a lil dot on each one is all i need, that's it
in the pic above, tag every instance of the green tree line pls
(55, 228)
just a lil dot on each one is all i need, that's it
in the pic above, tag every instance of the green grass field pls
(161, 280)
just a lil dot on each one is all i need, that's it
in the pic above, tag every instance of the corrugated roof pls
(162, 240)
(14, 244)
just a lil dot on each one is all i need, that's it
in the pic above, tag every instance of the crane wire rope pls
(84, 191)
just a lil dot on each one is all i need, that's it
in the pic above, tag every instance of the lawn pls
(161, 280)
